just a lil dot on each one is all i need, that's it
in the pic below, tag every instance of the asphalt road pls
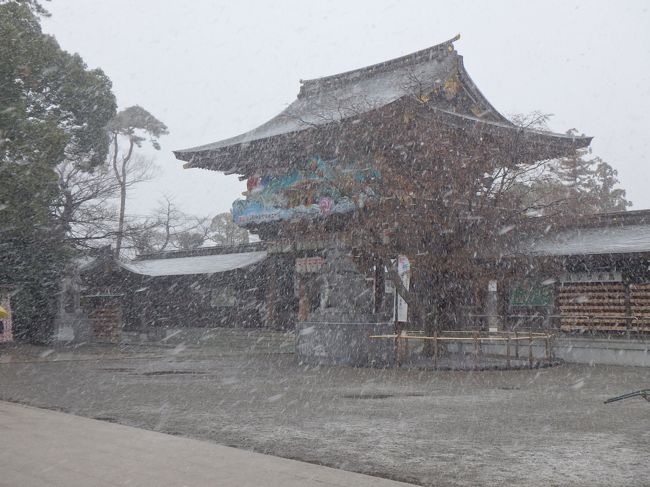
(492, 428)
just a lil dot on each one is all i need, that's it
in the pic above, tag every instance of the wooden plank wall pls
(640, 306)
(107, 322)
(604, 306)
(596, 306)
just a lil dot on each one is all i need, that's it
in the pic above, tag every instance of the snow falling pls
(390, 278)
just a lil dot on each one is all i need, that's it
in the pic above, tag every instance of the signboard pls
(305, 265)
(605, 276)
(312, 244)
(404, 272)
(531, 293)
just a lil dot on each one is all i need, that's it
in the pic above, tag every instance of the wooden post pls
(628, 311)
(272, 298)
(516, 345)
(435, 349)
(398, 331)
(552, 346)
(548, 350)
(378, 285)
(530, 350)
(303, 300)
(405, 348)
(397, 361)
(508, 351)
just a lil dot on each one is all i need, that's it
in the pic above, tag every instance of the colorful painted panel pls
(324, 187)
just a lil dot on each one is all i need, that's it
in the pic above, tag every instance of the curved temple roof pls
(335, 98)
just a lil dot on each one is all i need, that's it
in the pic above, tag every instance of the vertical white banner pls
(404, 272)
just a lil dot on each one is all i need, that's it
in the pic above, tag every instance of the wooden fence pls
(515, 343)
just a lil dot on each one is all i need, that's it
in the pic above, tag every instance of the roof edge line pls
(476, 92)
(313, 83)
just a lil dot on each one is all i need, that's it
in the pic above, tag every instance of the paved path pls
(47, 448)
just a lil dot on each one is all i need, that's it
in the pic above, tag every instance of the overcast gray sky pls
(212, 69)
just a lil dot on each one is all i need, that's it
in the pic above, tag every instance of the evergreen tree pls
(608, 198)
(51, 109)
(581, 186)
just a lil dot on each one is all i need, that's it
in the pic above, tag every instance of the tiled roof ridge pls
(312, 86)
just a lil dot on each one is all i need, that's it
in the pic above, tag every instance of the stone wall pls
(612, 351)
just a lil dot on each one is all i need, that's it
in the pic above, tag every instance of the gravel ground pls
(491, 428)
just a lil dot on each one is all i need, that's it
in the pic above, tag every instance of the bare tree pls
(534, 120)
(84, 208)
(167, 228)
(86, 205)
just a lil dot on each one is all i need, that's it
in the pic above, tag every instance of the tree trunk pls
(121, 179)
(120, 224)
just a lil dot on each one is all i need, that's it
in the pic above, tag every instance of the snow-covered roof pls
(333, 98)
(202, 264)
(589, 241)
(323, 101)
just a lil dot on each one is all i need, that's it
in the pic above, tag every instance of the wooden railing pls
(514, 342)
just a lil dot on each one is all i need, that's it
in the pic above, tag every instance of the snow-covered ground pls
(527, 427)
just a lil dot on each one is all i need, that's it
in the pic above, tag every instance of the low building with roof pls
(589, 275)
(155, 295)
